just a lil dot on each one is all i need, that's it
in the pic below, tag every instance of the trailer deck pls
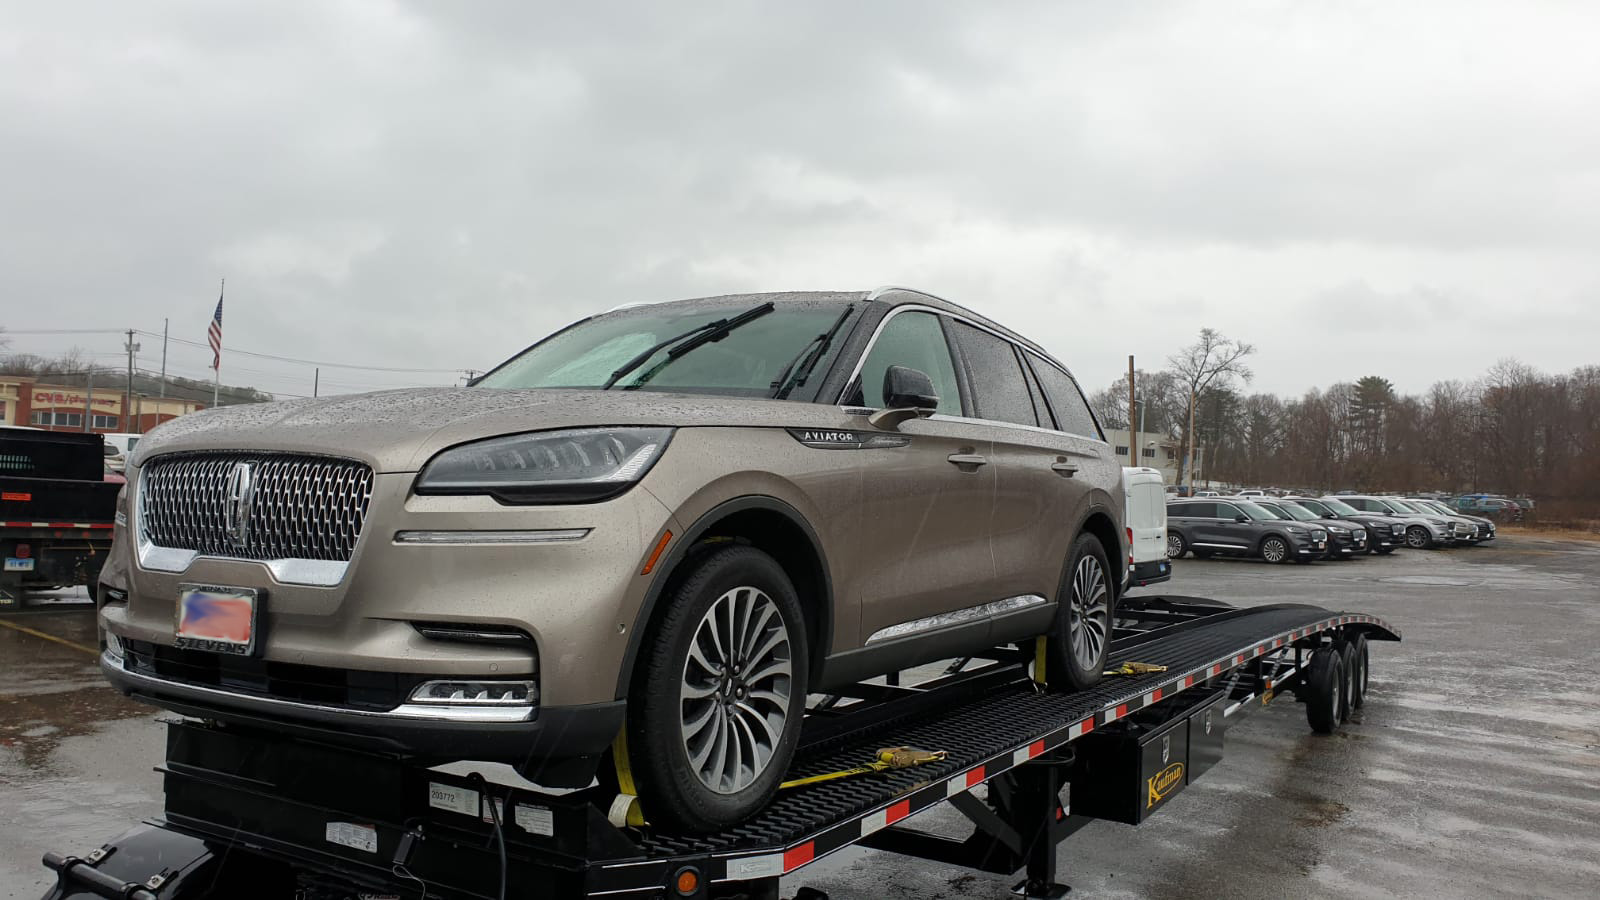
(329, 820)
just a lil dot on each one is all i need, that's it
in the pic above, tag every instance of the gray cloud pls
(422, 184)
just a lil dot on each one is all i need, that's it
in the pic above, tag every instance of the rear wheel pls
(1274, 549)
(1175, 545)
(1082, 638)
(714, 713)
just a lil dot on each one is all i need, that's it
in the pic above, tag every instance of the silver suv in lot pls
(1424, 530)
(668, 523)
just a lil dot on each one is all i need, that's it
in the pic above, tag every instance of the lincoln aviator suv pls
(659, 528)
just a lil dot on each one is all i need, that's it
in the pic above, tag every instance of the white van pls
(118, 448)
(1147, 525)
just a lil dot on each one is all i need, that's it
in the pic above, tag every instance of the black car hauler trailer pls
(56, 511)
(256, 815)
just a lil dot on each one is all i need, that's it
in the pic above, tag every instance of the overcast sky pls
(1403, 189)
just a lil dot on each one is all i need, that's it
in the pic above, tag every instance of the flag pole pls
(216, 380)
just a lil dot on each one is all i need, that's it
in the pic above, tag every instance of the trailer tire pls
(1324, 690)
(1358, 697)
(1350, 670)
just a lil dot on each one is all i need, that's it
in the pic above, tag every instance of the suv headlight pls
(577, 466)
(1336, 529)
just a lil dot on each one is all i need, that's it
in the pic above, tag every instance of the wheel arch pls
(769, 525)
(1102, 524)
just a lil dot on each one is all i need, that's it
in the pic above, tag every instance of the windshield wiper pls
(782, 386)
(689, 340)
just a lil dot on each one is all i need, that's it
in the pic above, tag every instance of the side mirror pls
(1241, 518)
(907, 394)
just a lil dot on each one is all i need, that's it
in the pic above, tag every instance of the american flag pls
(214, 334)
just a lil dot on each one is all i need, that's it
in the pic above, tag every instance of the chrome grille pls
(303, 507)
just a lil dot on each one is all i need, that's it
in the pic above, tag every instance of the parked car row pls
(1306, 529)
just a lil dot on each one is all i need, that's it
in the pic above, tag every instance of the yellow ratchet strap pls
(1136, 668)
(886, 759)
(625, 808)
(1041, 651)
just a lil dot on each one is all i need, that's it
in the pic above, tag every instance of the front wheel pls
(1417, 537)
(1082, 638)
(715, 710)
(1274, 549)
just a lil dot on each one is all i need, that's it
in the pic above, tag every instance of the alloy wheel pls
(737, 690)
(1090, 611)
(1174, 546)
(1417, 537)
(1274, 550)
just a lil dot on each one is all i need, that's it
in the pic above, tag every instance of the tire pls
(1324, 690)
(1358, 697)
(1176, 545)
(1077, 649)
(1384, 551)
(1348, 670)
(1274, 549)
(693, 714)
(1418, 538)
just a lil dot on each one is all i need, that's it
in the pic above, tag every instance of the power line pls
(308, 362)
(65, 331)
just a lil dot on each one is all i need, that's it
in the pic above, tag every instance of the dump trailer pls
(262, 814)
(57, 511)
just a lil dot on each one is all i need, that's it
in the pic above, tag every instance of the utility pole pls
(88, 398)
(316, 380)
(1134, 438)
(164, 324)
(127, 406)
(1188, 448)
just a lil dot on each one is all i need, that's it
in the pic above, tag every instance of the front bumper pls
(555, 746)
(1348, 544)
(1308, 548)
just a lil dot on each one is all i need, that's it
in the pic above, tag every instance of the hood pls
(398, 431)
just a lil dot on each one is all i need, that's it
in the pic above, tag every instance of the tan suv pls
(669, 522)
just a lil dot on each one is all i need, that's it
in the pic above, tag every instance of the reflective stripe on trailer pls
(772, 864)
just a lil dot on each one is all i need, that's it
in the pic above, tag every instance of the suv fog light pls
(476, 693)
(114, 646)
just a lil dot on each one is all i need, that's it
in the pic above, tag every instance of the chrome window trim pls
(405, 711)
(877, 330)
(957, 617)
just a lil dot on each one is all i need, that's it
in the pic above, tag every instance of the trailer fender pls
(145, 861)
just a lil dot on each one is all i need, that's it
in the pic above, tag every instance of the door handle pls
(967, 459)
(1065, 468)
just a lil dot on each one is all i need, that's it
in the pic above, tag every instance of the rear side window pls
(1066, 401)
(999, 390)
(913, 340)
(1200, 510)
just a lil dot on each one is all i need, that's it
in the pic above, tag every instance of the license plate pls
(218, 619)
(14, 564)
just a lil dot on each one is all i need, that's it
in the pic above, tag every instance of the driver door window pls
(914, 340)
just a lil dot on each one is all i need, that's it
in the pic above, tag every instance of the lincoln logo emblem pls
(236, 503)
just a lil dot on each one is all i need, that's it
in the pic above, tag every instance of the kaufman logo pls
(236, 502)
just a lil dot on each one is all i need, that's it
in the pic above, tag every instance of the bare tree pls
(1212, 361)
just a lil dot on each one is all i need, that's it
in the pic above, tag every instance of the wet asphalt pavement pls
(1473, 771)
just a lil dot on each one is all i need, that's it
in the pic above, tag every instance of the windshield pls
(1254, 511)
(1397, 506)
(748, 361)
(1338, 506)
(1298, 513)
